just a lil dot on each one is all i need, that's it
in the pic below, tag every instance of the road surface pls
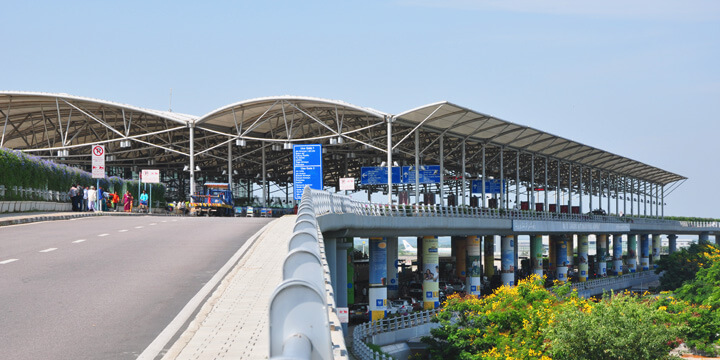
(105, 287)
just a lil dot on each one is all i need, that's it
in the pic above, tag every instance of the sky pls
(638, 78)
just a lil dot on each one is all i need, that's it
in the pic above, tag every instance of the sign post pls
(98, 169)
(307, 168)
(151, 177)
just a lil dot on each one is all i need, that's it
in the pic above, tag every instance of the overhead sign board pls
(307, 168)
(150, 176)
(492, 186)
(347, 184)
(377, 175)
(98, 161)
(429, 174)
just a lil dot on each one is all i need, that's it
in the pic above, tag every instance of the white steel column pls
(192, 159)
(624, 195)
(464, 180)
(557, 190)
(609, 193)
(264, 179)
(632, 197)
(502, 180)
(417, 167)
(229, 170)
(545, 206)
(592, 190)
(580, 187)
(389, 159)
(570, 189)
(483, 176)
(532, 182)
(517, 179)
(442, 172)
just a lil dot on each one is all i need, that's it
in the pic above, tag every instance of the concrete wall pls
(23, 206)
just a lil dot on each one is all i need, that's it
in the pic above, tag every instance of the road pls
(105, 287)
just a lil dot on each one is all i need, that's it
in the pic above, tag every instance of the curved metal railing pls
(366, 330)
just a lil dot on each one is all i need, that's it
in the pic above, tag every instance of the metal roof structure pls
(253, 138)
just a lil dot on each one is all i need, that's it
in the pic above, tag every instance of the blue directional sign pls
(492, 186)
(377, 175)
(307, 168)
(429, 174)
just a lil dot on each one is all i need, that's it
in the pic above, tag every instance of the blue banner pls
(492, 186)
(377, 175)
(429, 174)
(307, 168)
(378, 262)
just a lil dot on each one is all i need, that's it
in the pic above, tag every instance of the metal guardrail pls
(303, 322)
(366, 330)
(329, 203)
(609, 282)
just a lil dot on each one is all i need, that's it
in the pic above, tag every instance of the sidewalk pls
(233, 323)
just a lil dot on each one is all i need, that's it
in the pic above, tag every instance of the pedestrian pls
(92, 198)
(84, 199)
(72, 193)
(127, 201)
(115, 200)
(143, 201)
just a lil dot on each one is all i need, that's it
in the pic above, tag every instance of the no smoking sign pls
(98, 161)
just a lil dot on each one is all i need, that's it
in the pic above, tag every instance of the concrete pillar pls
(431, 272)
(601, 254)
(645, 252)
(344, 283)
(392, 265)
(552, 258)
(507, 260)
(561, 257)
(571, 251)
(473, 269)
(459, 249)
(672, 243)
(617, 255)
(350, 272)
(331, 254)
(632, 253)
(536, 254)
(582, 257)
(377, 279)
(704, 237)
(656, 243)
(489, 249)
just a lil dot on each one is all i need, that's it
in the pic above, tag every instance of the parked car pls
(358, 313)
(445, 286)
(416, 290)
(401, 307)
(414, 303)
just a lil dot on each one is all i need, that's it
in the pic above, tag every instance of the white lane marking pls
(164, 221)
(122, 230)
(48, 250)
(78, 241)
(139, 227)
(153, 224)
(103, 234)
(8, 261)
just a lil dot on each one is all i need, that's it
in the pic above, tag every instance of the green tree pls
(681, 266)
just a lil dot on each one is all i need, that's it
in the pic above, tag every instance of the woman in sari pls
(127, 201)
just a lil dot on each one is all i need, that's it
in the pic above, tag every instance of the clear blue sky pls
(637, 78)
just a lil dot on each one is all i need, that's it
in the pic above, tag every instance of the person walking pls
(73, 194)
(127, 201)
(115, 200)
(91, 198)
(84, 199)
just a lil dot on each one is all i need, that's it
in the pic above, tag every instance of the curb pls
(31, 219)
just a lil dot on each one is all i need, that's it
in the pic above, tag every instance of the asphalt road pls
(105, 287)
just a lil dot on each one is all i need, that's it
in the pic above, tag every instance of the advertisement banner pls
(583, 257)
(507, 260)
(378, 262)
(431, 272)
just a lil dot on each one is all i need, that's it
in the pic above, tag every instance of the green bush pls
(620, 327)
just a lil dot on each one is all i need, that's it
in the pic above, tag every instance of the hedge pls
(21, 171)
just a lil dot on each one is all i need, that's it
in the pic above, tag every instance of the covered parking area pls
(249, 144)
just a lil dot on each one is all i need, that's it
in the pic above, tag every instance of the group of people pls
(86, 199)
